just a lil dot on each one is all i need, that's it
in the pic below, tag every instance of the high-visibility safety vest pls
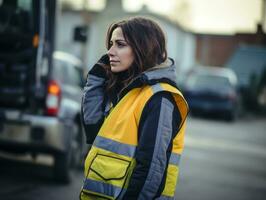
(110, 161)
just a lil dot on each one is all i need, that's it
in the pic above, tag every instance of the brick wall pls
(215, 50)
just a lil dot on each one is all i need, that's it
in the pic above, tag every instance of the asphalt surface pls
(221, 160)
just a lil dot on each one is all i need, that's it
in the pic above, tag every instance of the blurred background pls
(47, 48)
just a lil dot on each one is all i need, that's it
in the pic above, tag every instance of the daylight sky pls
(201, 16)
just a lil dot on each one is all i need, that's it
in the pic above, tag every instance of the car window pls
(209, 81)
(60, 71)
(67, 73)
(74, 76)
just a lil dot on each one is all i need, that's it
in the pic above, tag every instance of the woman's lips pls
(113, 62)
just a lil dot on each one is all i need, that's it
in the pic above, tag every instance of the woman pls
(133, 116)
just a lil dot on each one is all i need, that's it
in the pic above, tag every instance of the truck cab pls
(40, 88)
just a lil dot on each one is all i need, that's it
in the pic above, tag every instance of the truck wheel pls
(62, 167)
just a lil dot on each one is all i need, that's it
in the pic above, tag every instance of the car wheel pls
(62, 160)
(62, 167)
(77, 143)
(261, 99)
(231, 116)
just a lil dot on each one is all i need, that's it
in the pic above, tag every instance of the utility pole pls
(84, 44)
(263, 16)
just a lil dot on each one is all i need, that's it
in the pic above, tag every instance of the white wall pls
(180, 44)
(66, 23)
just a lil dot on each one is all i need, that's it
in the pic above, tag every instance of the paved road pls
(224, 161)
(221, 161)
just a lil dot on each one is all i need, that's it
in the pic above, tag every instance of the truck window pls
(16, 25)
(25, 5)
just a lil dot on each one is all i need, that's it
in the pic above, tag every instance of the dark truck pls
(249, 64)
(40, 89)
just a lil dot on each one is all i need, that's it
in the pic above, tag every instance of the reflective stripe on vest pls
(110, 162)
(114, 146)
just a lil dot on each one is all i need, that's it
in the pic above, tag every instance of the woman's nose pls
(111, 51)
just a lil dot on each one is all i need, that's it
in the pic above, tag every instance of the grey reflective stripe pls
(165, 198)
(102, 188)
(159, 159)
(157, 88)
(114, 146)
(174, 159)
(92, 100)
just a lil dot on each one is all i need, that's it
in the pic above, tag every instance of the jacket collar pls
(165, 72)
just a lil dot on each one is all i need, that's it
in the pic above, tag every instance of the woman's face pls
(120, 53)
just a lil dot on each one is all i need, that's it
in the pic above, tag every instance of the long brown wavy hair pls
(148, 43)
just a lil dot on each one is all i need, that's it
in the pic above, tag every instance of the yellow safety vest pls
(110, 162)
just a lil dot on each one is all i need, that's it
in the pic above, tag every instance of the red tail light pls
(53, 98)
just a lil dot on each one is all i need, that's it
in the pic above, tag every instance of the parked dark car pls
(212, 90)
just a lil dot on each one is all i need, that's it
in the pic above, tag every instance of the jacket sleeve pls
(156, 133)
(92, 106)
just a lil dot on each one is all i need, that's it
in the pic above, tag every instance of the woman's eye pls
(121, 44)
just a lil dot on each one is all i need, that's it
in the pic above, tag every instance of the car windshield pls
(208, 81)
